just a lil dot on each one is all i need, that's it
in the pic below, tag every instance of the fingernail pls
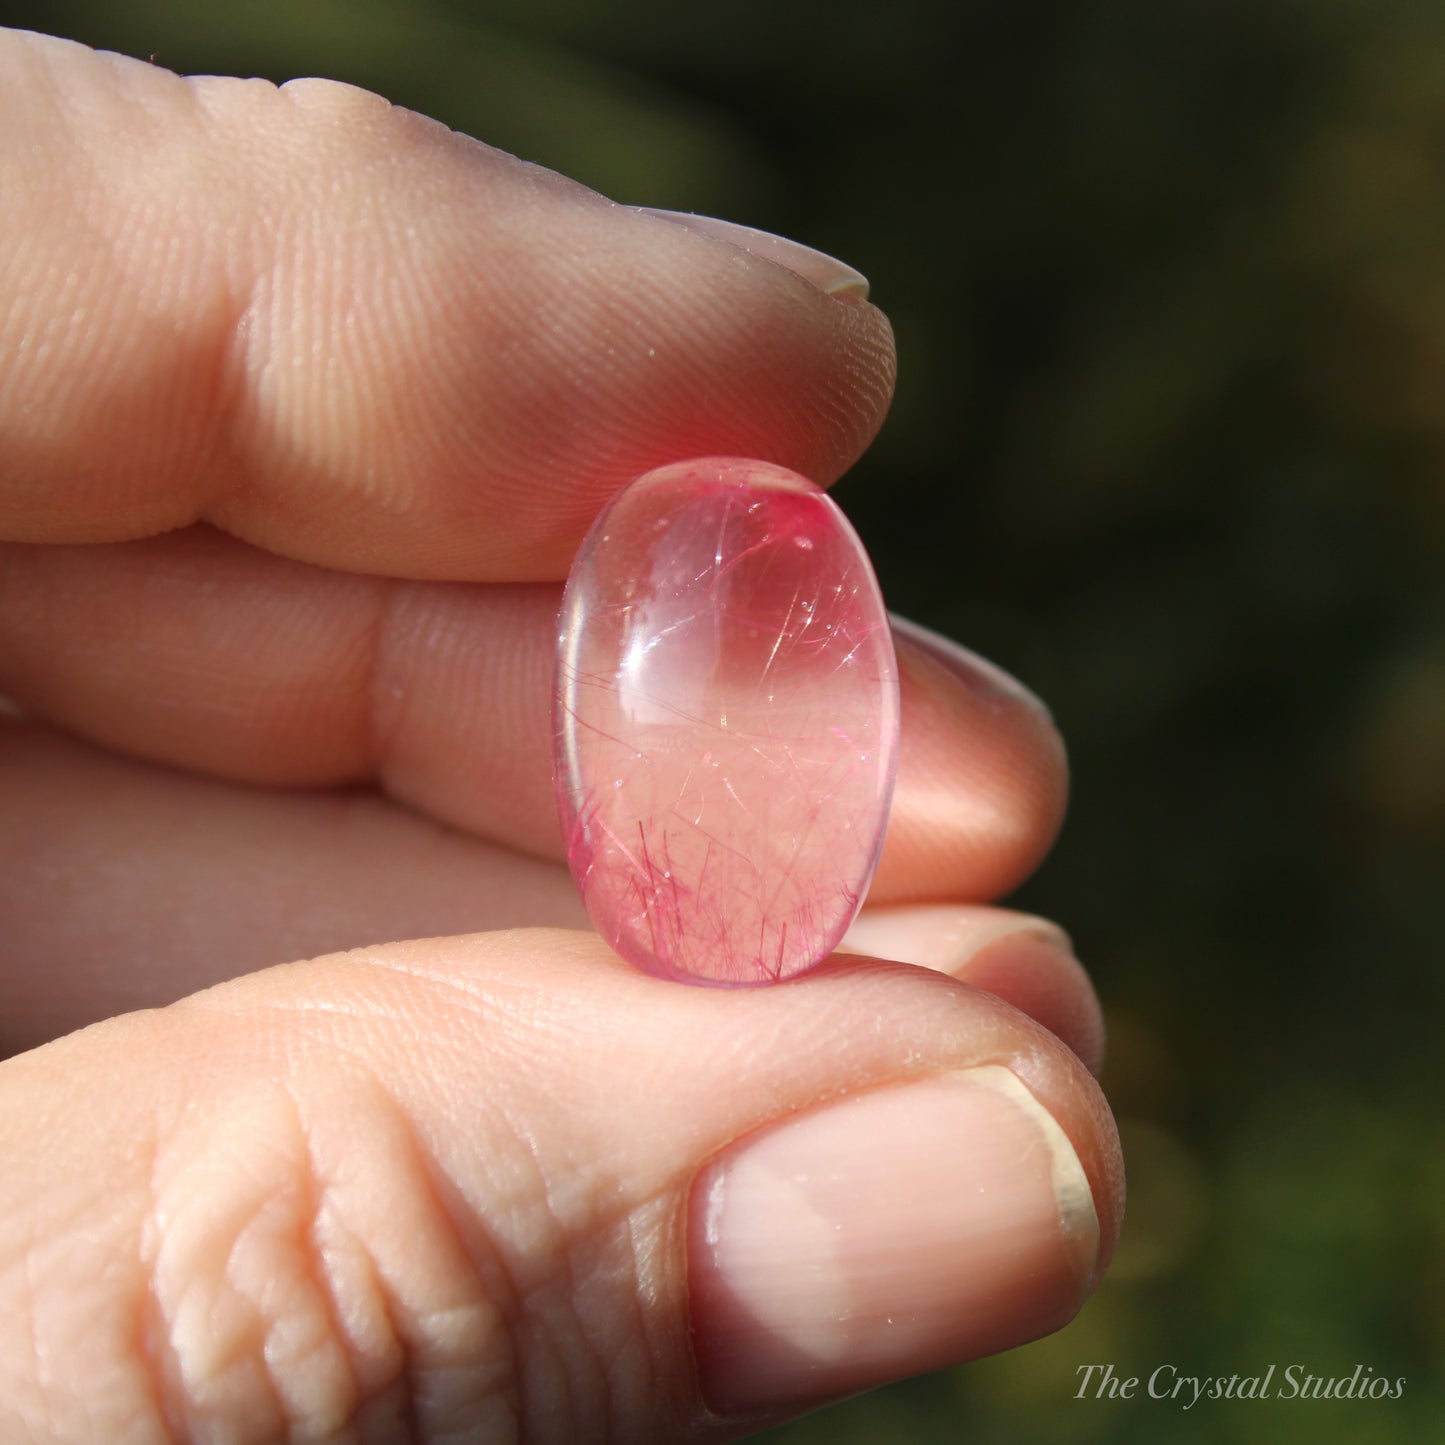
(977, 673)
(823, 271)
(898, 1231)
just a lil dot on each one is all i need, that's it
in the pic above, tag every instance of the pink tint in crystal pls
(727, 722)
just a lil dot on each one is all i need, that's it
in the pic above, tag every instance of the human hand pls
(304, 406)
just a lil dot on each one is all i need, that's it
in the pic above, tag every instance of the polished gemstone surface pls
(727, 722)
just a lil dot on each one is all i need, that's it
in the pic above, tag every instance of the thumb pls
(502, 1187)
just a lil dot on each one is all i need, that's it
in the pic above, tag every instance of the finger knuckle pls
(299, 1285)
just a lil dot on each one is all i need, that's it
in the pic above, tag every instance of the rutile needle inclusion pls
(727, 722)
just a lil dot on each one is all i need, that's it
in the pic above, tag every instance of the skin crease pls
(305, 403)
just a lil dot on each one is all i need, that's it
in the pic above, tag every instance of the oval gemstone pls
(727, 722)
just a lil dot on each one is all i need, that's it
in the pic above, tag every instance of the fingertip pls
(982, 779)
(1026, 961)
(1032, 972)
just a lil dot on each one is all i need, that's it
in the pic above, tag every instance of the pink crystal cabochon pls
(727, 722)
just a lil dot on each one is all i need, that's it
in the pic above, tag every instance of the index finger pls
(343, 333)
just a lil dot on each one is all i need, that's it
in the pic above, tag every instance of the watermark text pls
(1276, 1382)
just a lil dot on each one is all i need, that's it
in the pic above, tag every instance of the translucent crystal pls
(727, 722)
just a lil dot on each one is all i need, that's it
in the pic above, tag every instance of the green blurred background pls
(1169, 287)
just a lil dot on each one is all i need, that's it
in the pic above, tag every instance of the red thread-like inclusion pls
(727, 722)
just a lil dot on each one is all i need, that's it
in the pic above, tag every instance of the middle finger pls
(201, 652)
